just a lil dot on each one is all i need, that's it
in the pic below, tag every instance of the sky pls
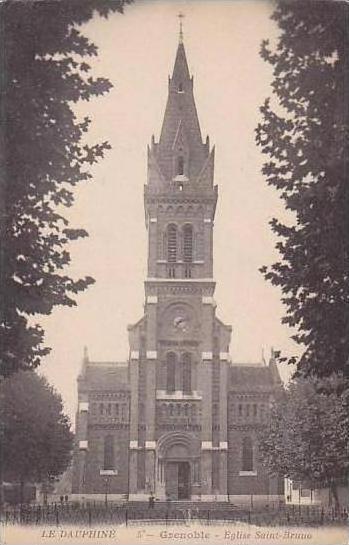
(136, 52)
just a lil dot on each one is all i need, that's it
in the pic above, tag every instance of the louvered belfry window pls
(172, 243)
(188, 243)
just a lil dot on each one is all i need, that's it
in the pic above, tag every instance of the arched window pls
(108, 452)
(262, 411)
(215, 410)
(188, 243)
(171, 372)
(172, 243)
(247, 454)
(186, 373)
(180, 165)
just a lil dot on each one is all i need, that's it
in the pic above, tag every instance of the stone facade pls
(178, 419)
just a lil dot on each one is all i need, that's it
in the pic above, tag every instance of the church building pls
(178, 419)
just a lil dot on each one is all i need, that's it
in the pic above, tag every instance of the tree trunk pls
(44, 492)
(21, 493)
(334, 492)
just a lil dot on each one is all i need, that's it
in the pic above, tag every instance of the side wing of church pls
(178, 419)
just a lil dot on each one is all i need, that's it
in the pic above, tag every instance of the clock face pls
(180, 323)
(178, 319)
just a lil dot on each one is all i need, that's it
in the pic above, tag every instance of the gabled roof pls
(251, 377)
(106, 375)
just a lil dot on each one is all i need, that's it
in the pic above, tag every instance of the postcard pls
(173, 329)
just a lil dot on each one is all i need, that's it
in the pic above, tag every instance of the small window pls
(262, 412)
(187, 272)
(180, 87)
(109, 409)
(254, 409)
(171, 409)
(247, 410)
(170, 371)
(180, 165)
(109, 452)
(116, 409)
(171, 272)
(101, 408)
(240, 410)
(186, 373)
(247, 454)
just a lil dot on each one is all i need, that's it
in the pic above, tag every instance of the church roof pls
(105, 375)
(247, 377)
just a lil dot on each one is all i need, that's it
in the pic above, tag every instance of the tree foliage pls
(307, 436)
(304, 132)
(44, 72)
(37, 438)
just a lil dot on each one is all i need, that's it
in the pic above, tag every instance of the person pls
(151, 501)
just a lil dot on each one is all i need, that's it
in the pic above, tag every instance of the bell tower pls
(179, 349)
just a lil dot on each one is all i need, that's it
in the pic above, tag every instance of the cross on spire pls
(180, 17)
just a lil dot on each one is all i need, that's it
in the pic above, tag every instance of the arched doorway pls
(177, 473)
(177, 460)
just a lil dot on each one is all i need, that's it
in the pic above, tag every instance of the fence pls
(94, 514)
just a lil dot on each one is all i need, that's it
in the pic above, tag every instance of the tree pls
(305, 132)
(307, 438)
(37, 437)
(44, 156)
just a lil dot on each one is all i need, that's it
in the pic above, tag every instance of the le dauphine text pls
(229, 536)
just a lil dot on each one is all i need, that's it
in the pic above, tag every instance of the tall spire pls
(180, 17)
(180, 134)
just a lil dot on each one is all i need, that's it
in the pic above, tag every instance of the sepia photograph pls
(174, 272)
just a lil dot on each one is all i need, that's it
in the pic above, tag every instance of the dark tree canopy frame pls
(305, 134)
(43, 73)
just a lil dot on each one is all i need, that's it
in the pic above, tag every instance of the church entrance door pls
(177, 475)
(183, 480)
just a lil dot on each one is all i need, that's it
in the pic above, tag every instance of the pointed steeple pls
(181, 76)
(180, 151)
